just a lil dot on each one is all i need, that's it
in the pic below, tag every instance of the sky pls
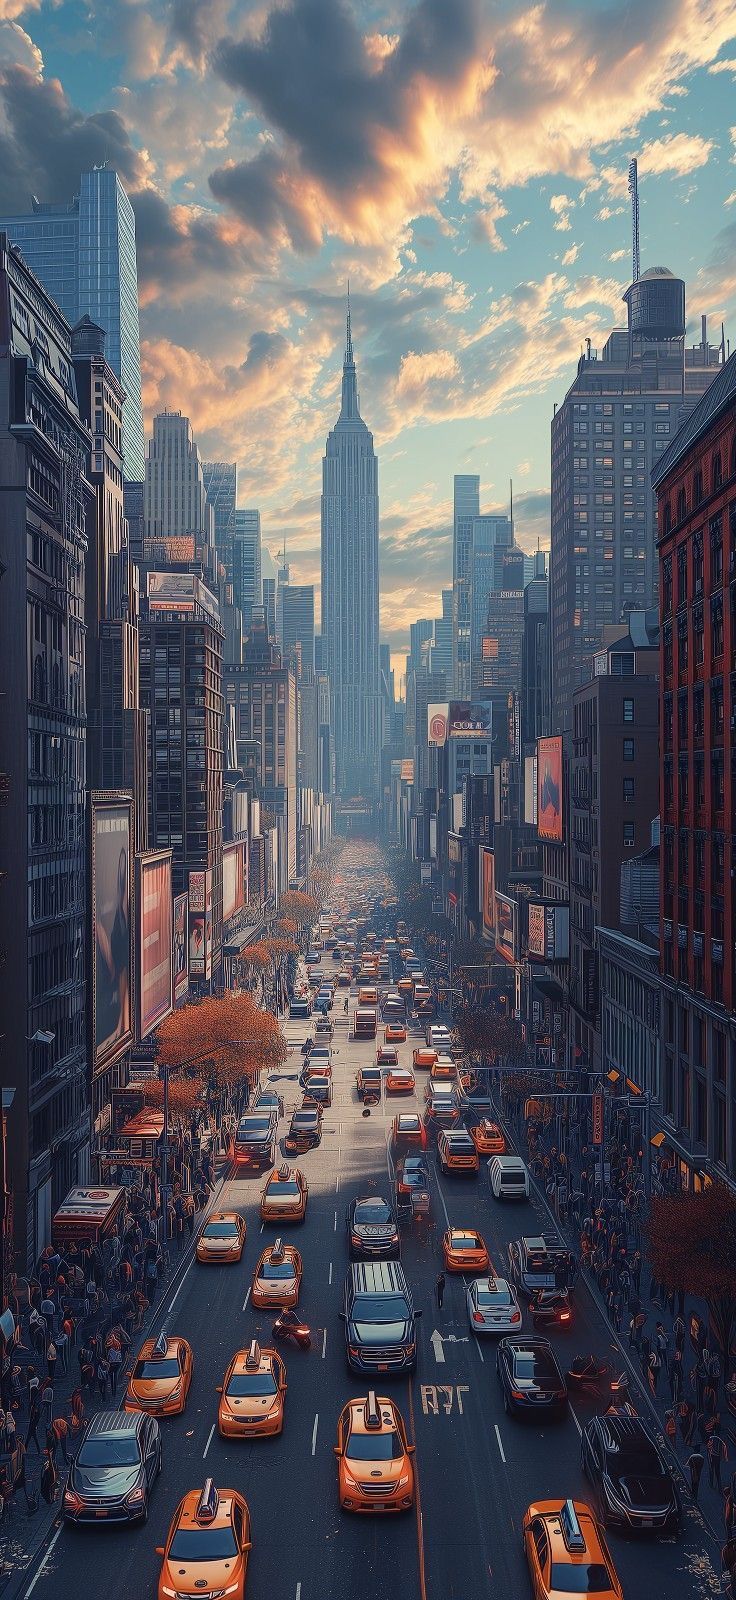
(463, 163)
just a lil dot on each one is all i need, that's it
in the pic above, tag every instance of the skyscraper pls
(350, 590)
(247, 579)
(221, 488)
(179, 521)
(297, 623)
(83, 251)
(617, 418)
(466, 506)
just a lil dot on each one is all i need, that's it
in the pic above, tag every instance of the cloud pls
(618, 255)
(729, 200)
(45, 141)
(18, 49)
(678, 153)
(571, 255)
(520, 226)
(560, 206)
(723, 66)
(484, 223)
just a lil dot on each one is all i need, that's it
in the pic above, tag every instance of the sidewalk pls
(28, 1521)
(605, 1234)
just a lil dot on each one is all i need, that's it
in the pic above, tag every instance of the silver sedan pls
(492, 1306)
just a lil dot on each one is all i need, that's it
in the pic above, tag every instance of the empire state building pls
(350, 591)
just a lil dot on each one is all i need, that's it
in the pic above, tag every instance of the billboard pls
(505, 927)
(154, 939)
(548, 932)
(200, 924)
(233, 875)
(468, 717)
(180, 956)
(487, 888)
(180, 591)
(549, 789)
(111, 930)
(438, 716)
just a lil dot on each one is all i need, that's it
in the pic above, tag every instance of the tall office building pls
(44, 976)
(264, 693)
(617, 417)
(178, 519)
(221, 488)
(466, 506)
(84, 253)
(246, 575)
(535, 660)
(350, 590)
(491, 541)
(297, 623)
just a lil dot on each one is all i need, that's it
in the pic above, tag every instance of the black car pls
(538, 1262)
(530, 1378)
(634, 1487)
(372, 1229)
(116, 1464)
(305, 1130)
(380, 1319)
(255, 1139)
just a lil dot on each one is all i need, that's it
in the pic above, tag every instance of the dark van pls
(380, 1319)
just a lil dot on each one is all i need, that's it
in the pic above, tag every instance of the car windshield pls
(202, 1544)
(243, 1384)
(590, 1577)
(414, 1180)
(372, 1211)
(280, 1188)
(304, 1119)
(220, 1230)
(381, 1308)
(374, 1447)
(277, 1269)
(109, 1452)
(465, 1241)
(156, 1369)
(408, 1124)
(493, 1297)
(255, 1128)
(534, 1364)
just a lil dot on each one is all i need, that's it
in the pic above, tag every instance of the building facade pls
(46, 503)
(178, 518)
(221, 488)
(350, 591)
(263, 692)
(297, 624)
(466, 506)
(695, 483)
(247, 578)
(615, 422)
(84, 253)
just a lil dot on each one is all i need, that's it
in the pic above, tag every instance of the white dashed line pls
(209, 1441)
(247, 1298)
(314, 1434)
(335, 1227)
(32, 1585)
(324, 1343)
(329, 1280)
(480, 1351)
(575, 1420)
(498, 1441)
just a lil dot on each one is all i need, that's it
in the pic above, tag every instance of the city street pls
(477, 1468)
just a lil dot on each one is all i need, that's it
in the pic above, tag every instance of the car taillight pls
(477, 1316)
(516, 1394)
(515, 1316)
(564, 1316)
(355, 1238)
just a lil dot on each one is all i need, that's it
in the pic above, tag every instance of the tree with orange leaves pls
(692, 1249)
(184, 1094)
(300, 909)
(230, 1035)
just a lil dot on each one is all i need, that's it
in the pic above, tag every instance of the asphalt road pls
(477, 1468)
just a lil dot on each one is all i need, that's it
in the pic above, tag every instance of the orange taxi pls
(394, 1033)
(465, 1250)
(443, 1069)
(400, 1080)
(284, 1195)
(488, 1139)
(425, 1058)
(566, 1552)
(208, 1545)
(278, 1276)
(222, 1237)
(161, 1377)
(252, 1395)
(405, 986)
(408, 1132)
(375, 1470)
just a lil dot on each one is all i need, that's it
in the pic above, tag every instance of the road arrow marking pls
(436, 1343)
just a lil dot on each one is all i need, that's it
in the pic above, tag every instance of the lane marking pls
(498, 1441)
(417, 1502)
(436, 1343)
(298, 1592)
(329, 1280)
(335, 1224)
(324, 1342)
(478, 1347)
(247, 1298)
(34, 1581)
(314, 1434)
(575, 1420)
(181, 1286)
(209, 1441)
(337, 1181)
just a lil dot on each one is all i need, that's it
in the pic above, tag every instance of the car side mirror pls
(419, 1312)
(411, 1449)
(248, 1545)
(160, 1551)
(343, 1316)
(218, 1388)
(337, 1450)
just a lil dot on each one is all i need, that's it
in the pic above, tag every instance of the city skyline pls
(481, 254)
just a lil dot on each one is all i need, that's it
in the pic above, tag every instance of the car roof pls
(223, 1516)
(465, 1233)
(618, 1430)
(456, 1135)
(492, 1285)
(388, 1409)
(378, 1277)
(266, 1362)
(224, 1216)
(408, 1119)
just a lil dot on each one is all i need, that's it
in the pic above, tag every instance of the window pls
(628, 710)
(628, 836)
(628, 790)
(628, 750)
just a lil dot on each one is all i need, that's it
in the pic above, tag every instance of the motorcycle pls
(288, 1326)
(550, 1307)
(587, 1373)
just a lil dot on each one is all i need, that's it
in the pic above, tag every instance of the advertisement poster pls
(154, 940)
(180, 951)
(233, 871)
(437, 723)
(488, 894)
(536, 942)
(111, 940)
(200, 924)
(549, 789)
(505, 927)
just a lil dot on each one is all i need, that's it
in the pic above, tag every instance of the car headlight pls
(403, 1481)
(164, 1590)
(136, 1496)
(175, 1393)
(231, 1588)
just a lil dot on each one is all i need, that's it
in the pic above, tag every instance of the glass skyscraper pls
(83, 251)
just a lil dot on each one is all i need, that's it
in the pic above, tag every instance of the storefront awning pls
(549, 987)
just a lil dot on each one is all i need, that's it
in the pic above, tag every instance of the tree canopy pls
(692, 1248)
(229, 1034)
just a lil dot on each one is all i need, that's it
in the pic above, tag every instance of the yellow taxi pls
(160, 1380)
(465, 1250)
(443, 1070)
(375, 1470)
(488, 1139)
(284, 1195)
(278, 1276)
(252, 1395)
(567, 1552)
(424, 1057)
(222, 1237)
(394, 1033)
(208, 1545)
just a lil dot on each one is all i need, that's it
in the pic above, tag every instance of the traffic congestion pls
(379, 1375)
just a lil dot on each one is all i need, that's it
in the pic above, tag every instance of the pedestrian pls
(686, 1419)
(674, 1375)
(34, 1417)
(710, 1397)
(103, 1373)
(728, 1560)
(695, 1463)
(62, 1348)
(654, 1366)
(661, 1340)
(76, 1404)
(440, 1290)
(636, 1330)
(670, 1428)
(47, 1402)
(60, 1431)
(51, 1358)
(49, 1478)
(48, 1312)
(151, 1279)
(37, 1329)
(717, 1451)
(115, 1361)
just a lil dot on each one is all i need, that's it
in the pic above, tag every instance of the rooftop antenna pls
(349, 340)
(723, 341)
(634, 195)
